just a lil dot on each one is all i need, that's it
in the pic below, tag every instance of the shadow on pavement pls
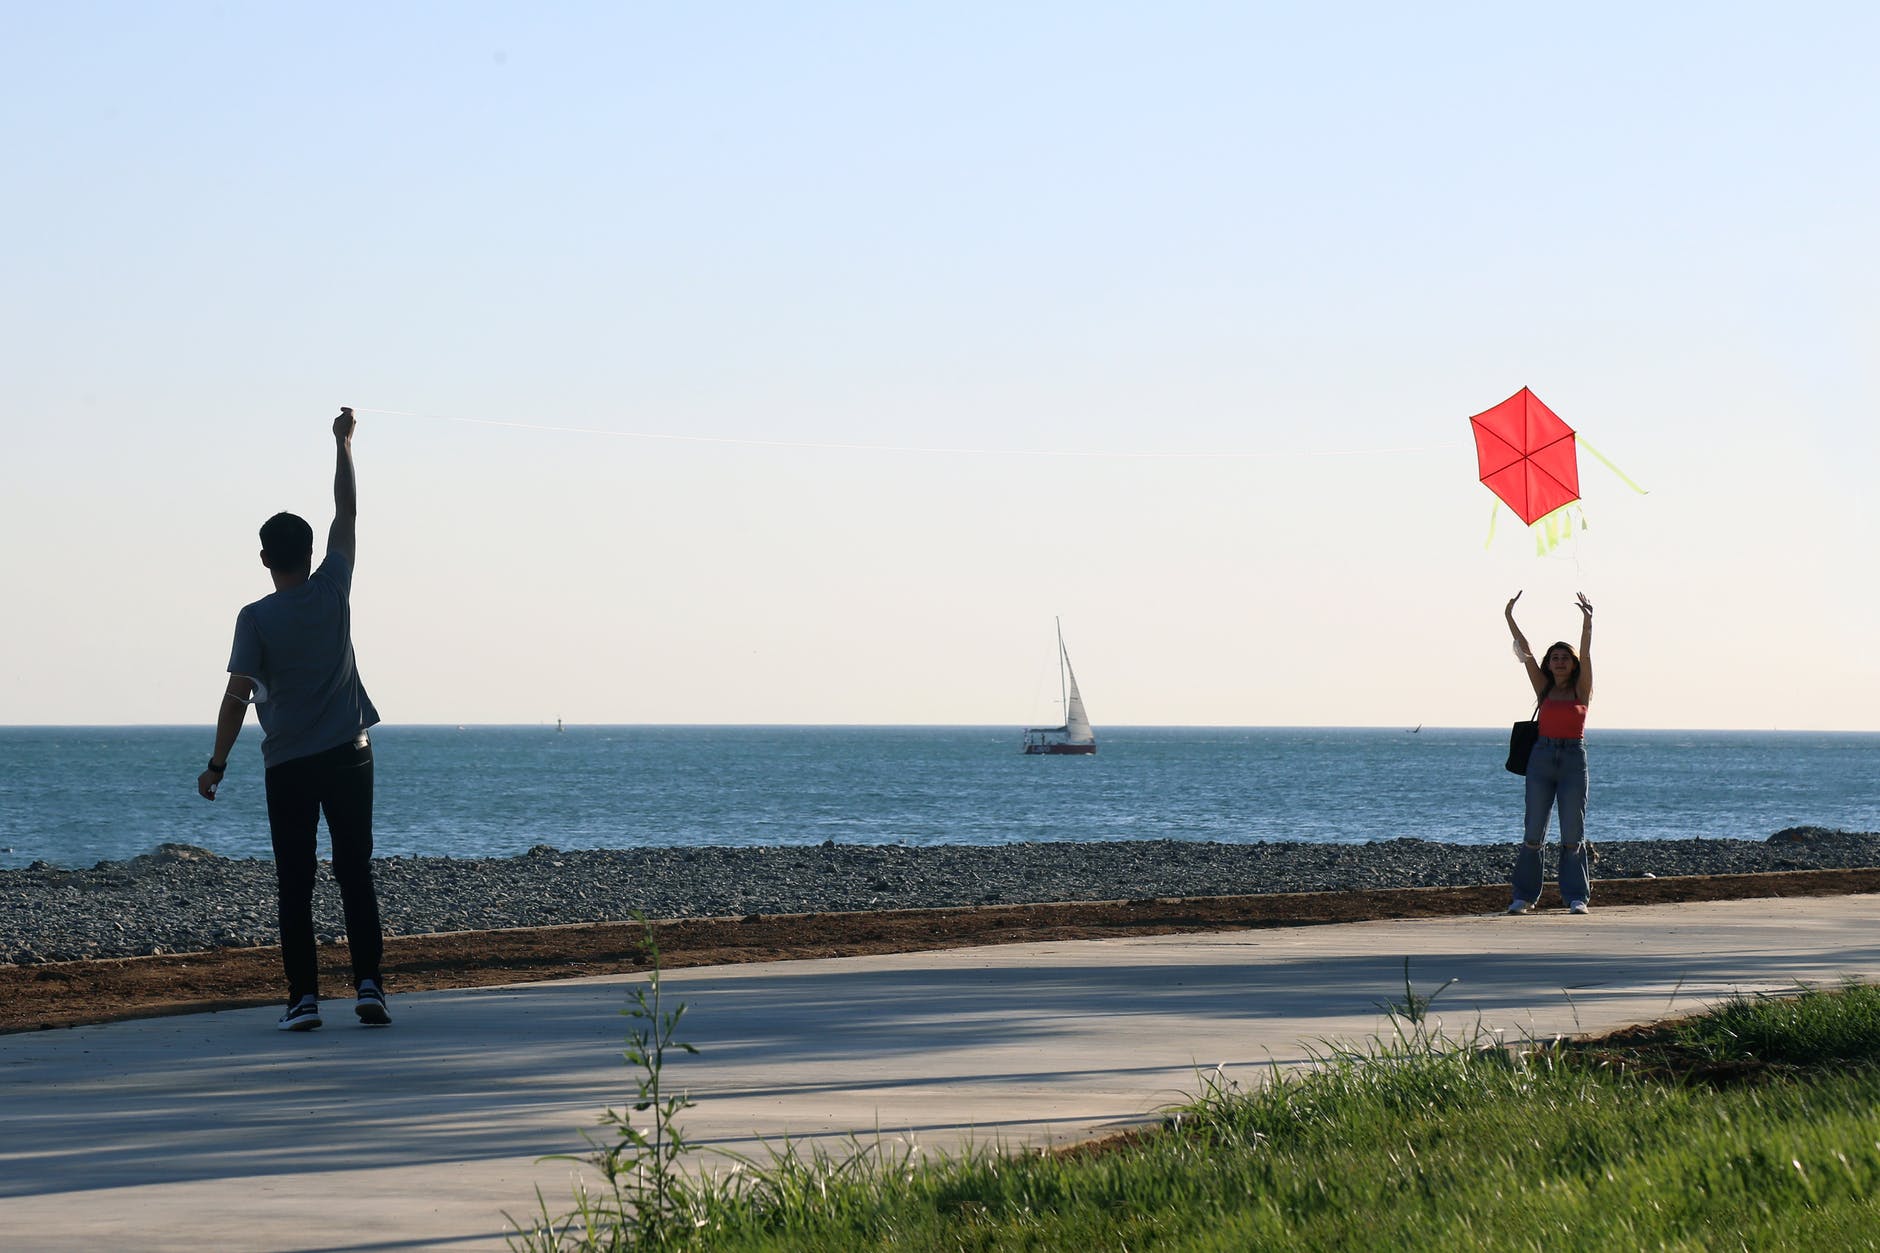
(520, 1071)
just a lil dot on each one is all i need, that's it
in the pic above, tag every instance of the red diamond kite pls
(1527, 456)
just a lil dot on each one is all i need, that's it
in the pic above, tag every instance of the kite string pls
(909, 448)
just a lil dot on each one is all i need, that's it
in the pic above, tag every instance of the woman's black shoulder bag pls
(1521, 741)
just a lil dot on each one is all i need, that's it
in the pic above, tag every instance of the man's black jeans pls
(339, 781)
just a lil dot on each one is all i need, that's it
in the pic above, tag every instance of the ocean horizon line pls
(80, 794)
(550, 724)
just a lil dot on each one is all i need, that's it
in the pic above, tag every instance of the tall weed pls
(648, 1203)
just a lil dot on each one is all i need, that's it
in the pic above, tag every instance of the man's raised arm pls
(345, 493)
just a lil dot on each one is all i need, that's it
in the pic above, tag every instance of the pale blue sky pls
(1176, 228)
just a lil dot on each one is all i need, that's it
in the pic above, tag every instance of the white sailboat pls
(1076, 735)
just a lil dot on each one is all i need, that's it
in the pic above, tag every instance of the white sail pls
(1076, 735)
(1076, 721)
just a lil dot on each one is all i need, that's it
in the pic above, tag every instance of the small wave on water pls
(498, 791)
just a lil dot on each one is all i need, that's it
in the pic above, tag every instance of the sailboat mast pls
(1064, 699)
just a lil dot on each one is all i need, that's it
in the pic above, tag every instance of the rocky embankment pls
(184, 899)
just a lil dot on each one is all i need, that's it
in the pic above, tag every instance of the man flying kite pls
(293, 660)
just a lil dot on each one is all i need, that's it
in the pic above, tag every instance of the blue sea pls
(75, 796)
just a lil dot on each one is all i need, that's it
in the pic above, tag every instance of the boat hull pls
(1059, 750)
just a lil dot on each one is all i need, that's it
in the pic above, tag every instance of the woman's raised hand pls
(1586, 606)
(1510, 610)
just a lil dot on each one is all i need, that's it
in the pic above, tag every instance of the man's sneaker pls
(1577, 907)
(1520, 906)
(371, 1005)
(302, 1015)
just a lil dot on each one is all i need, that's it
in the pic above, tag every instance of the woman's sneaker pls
(302, 1015)
(1577, 907)
(1520, 906)
(371, 1005)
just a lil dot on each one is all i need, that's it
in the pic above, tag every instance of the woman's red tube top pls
(1563, 718)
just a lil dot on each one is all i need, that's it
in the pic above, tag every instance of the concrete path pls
(216, 1131)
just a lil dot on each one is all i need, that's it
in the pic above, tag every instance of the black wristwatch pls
(221, 769)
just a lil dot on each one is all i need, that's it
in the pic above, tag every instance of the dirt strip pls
(66, 994)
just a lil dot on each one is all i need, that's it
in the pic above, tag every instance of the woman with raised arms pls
(1556, 770)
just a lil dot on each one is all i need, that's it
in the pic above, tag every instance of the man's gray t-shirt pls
(297, 647)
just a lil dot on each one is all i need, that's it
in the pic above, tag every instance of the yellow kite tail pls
(1605, 461)
(1555, 528)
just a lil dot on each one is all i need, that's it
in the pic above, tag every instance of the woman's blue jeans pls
(1556, 775)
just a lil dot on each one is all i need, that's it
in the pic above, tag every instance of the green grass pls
(1417, 1143)
(1803, 1030)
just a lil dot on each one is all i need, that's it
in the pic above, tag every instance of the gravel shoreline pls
(184, 899)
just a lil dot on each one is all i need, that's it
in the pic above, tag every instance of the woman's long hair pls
(1573, 680)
